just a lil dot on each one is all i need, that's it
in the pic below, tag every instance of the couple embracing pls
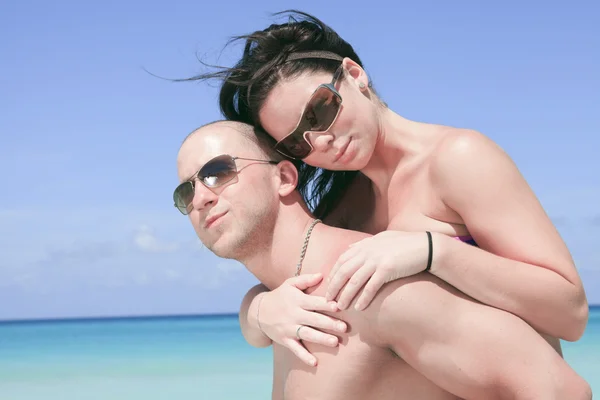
(397, 259)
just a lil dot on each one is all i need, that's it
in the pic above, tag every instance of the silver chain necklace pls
(305, 245)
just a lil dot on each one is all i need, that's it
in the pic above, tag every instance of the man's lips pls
(212, 219)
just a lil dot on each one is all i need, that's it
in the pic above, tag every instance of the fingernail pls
(341, 326)
(357, 306)
(313, 362)
(332, 341)
(341, 306)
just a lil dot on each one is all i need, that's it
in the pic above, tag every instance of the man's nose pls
(203, 197)
(321, 141)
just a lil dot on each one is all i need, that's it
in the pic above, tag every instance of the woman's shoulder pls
(465, 159)
(460, 147)
(452, 139)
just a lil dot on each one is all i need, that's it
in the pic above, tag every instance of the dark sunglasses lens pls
(318, 116)
(322, 109)
(294, 146)
(218, 171)
(183, 196)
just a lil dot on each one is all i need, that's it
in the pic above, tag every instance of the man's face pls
(229, 219)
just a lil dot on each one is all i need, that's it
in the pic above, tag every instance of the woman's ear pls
(288, 178)
(356, 73)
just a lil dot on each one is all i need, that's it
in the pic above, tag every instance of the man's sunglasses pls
(320, 112)
(216, 172)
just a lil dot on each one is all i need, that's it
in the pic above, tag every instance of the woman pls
(306, 87)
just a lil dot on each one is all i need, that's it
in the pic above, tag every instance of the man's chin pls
(223, 253)
(223, 248)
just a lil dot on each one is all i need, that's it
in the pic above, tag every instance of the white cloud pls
(226, 270)
(112, 257)
(142, 279)
(172, 274)
(229, 266)
(146, 240)
(26, 281)
(151, 258)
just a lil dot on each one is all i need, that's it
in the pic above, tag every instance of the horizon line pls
(119, 317)
(140, 316)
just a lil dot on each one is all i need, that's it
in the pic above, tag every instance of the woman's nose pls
(321, 141)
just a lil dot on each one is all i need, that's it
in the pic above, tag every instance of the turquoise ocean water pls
(165, 358)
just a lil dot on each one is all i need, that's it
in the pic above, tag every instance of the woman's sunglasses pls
(216, 172)
(319, 114)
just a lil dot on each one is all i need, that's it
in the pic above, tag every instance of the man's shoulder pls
(329, 246)
(334, 242)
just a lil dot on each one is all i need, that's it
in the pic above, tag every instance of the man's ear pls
(288, 178)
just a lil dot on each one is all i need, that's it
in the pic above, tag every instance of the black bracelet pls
(430, 258)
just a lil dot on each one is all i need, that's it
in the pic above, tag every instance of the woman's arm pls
(274, 316)
(469, 349)
(523, 265)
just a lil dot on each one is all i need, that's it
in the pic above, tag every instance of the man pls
(419, 339)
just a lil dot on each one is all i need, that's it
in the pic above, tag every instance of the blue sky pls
(89, 140)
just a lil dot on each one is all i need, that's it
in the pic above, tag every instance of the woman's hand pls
(374, 261)
(287, 315)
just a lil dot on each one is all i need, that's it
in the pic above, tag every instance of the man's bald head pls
(261, 140)
(228, 216)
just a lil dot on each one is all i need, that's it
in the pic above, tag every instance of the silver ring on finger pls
(298, 332)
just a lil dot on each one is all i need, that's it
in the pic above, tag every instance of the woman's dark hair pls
(262, 66)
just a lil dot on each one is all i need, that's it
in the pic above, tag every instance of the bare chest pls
(412, 204)
(355, 370)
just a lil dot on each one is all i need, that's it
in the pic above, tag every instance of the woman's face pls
(348, 144)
